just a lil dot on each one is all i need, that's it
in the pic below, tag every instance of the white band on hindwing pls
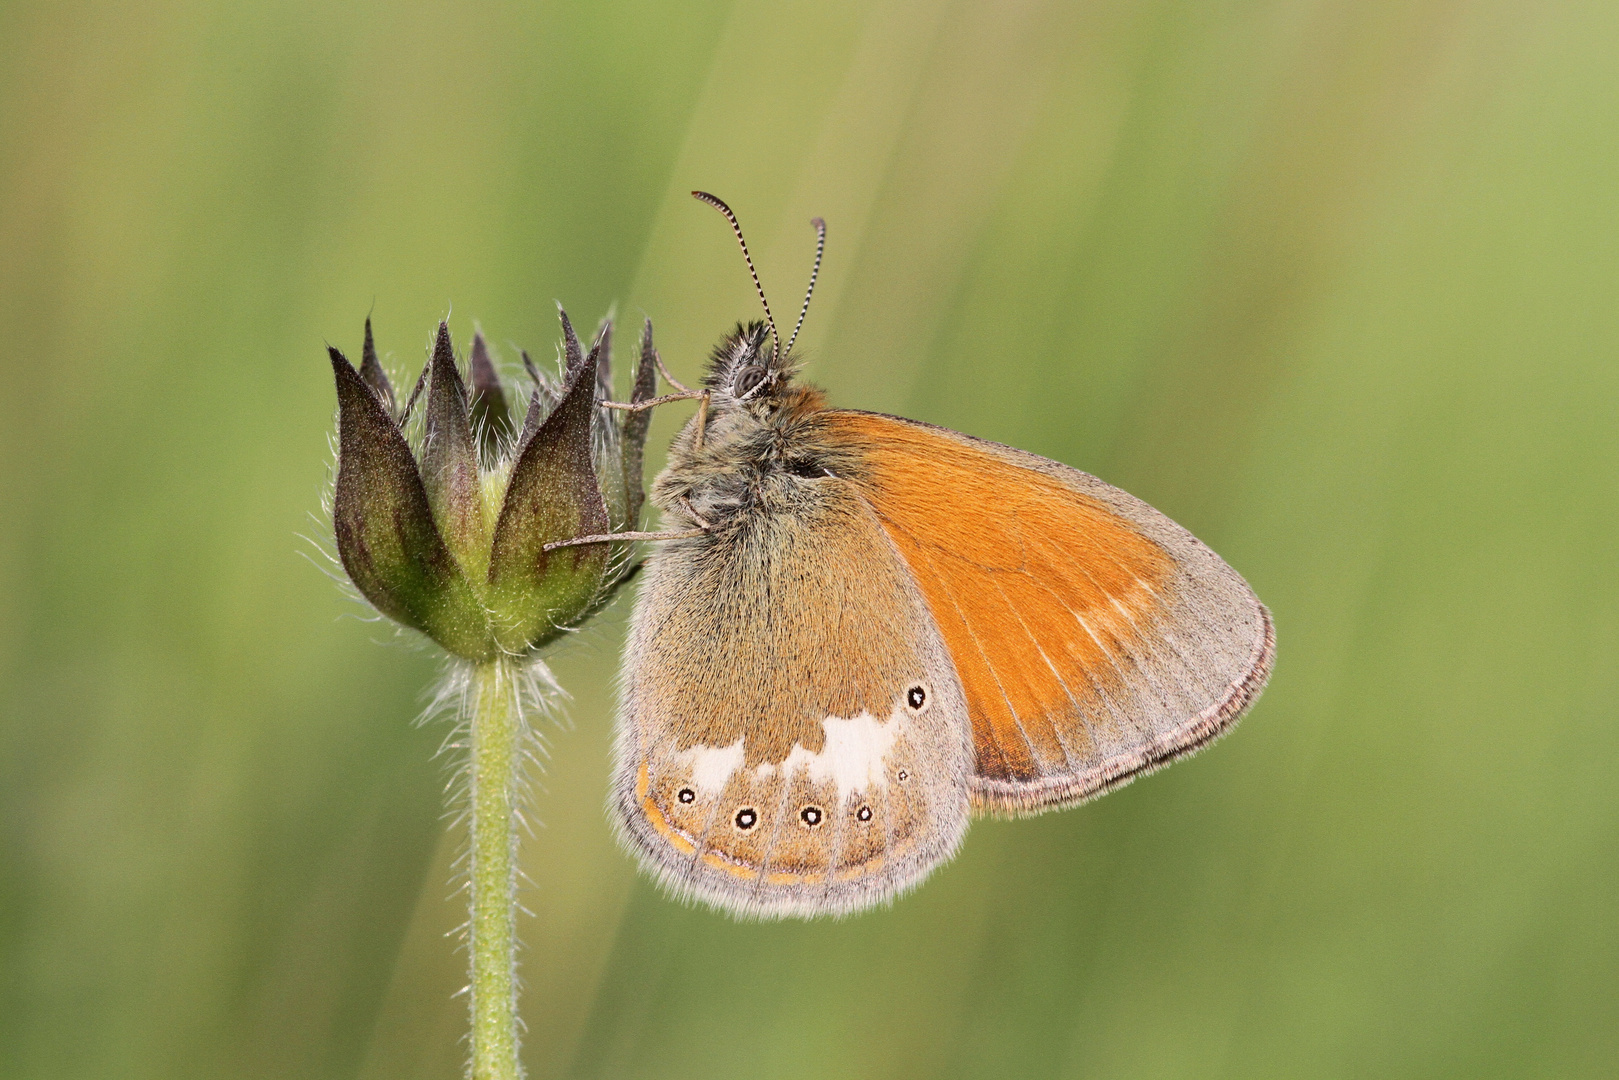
(854, 756)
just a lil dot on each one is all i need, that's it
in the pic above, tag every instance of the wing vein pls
(1056, 729)
(977, 644)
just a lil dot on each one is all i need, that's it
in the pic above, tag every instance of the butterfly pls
(858, 631)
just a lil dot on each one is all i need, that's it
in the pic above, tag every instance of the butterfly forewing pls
(1094, 639)
(795, 740)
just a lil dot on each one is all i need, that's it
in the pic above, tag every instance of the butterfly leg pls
(695, 516)
(642, 406)
(701, 396)
(702, 421)
(703, 526)
(603, 538)
(670, 379)
(682, 392)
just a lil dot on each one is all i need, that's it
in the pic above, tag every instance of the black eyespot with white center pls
(916, 697)
(903, 776)
(811, 816)
(686, 795)
(864, 813)
(746, 818)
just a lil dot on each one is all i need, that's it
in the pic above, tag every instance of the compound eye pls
(747, 381)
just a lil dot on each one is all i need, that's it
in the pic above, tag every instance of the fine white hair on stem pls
(498, 701)
(536, 696)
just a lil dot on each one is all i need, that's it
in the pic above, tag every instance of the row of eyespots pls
(687, 795)
(747, 817)
(812, 816)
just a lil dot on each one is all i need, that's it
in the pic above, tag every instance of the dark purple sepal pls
(386, 535)
(491, 419)
(635, 428)
(450, 462)
(371, 371)
(573, 354)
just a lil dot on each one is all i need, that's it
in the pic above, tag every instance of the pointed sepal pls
(552, 495)
(604, 362)
(415, 393)
(541, 402)
(386, 535)
(605, 438)
(491, 419)
(635, 428)
(450, 461)
(371, 371)
(573, 354)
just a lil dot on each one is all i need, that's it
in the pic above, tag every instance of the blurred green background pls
(1332, 283)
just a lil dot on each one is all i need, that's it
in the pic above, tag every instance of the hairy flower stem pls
(497, 729)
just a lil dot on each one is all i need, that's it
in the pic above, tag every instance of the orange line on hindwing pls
(654, 814)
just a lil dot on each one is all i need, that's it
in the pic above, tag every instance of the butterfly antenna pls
(815, 272)
(719, 204)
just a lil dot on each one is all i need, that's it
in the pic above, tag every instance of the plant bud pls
(450, 540)
(385, 532)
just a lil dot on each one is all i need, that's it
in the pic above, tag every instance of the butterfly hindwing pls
(792, 739)
(1094, 638)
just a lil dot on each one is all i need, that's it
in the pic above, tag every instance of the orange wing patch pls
(1040, 591)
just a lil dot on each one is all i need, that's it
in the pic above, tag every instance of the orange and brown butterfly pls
(859, 631)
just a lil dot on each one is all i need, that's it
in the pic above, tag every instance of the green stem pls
(497, 732)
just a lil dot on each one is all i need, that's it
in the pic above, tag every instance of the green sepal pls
(547, 393)
(386, 536)
(552, 495)
(450, 462)
(415, 394)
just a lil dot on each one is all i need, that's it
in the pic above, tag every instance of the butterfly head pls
(757, 443)
(745, 367)
(754, 441)
(751, 363)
